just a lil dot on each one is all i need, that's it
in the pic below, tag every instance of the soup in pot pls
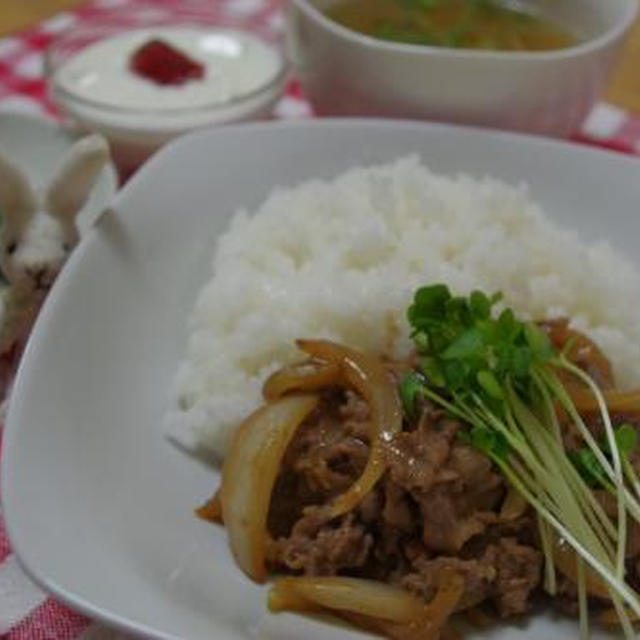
(475, 24)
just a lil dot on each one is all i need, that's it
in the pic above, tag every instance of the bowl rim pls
(608, 37)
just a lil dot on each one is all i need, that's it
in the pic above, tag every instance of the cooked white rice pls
(341, 259)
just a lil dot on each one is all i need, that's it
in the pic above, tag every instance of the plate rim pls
(10, 435)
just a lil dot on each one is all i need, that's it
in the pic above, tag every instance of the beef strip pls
(320, 547)
(454, 485)
(518, 573)
(416, 458)
(331, 446)
(435, 508)
(507, 573)
(478, 578)
(566, 598)
(443, 529)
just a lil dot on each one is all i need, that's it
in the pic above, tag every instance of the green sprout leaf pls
(429, 304)
(459, 338)
(522, 358)
(480, 305)
(490, 442)
(499, 376)
(507, 327)
(585, 462)
(538, 340)
(626, 438)
(490, 384)
(410, 389)
(432, 371)
(468, 344)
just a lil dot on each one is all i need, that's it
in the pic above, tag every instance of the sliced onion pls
(513, 506)
(366, 374)
(249, 473)
(449, 592)
(564, 558)
(430, 625)
(584, 400)
(365, 597)
(282, 597)
(305, 376)
(582, 349)
(397, 631)
(372, 605)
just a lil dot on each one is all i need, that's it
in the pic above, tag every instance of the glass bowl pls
(90, 81)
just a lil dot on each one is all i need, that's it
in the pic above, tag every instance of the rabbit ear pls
(17, 201)
(73, 181)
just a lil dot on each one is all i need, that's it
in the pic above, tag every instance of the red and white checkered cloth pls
(26, 613)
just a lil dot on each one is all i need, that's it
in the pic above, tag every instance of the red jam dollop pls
(158, 61)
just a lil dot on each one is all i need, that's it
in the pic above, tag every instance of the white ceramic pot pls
(347, 73)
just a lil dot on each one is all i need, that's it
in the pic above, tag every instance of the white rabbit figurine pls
(39, 231)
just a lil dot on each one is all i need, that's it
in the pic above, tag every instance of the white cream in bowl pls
(96, 87)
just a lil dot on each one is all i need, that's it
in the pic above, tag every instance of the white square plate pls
(98, 504)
